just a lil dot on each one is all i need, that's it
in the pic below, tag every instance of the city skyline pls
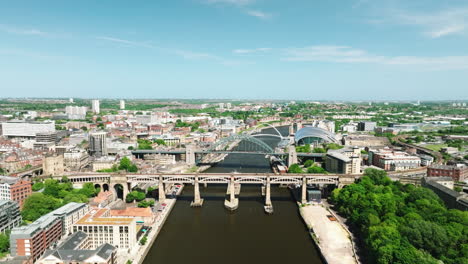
(236, 49)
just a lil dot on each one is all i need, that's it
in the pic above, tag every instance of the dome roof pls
(315, 132)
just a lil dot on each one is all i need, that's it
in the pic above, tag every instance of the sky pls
(235, 49)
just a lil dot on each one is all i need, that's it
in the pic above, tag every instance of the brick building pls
(14, 189)
(452, 171)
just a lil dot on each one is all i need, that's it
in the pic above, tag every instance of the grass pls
(434, 147)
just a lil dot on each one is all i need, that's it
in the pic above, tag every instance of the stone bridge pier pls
(197, 200)
(161, 190)
(233, 202)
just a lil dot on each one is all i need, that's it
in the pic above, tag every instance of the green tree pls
(37, 186)
(37, 205)
(295, 168)
(4, 242)
(316, 169)
(308, 163)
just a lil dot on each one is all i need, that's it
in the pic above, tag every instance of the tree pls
(37, 186)
(316, 169)
(308, 163)
(4, 242)
(160, 142)
(319, 150)
(37, 205)
(295, 168)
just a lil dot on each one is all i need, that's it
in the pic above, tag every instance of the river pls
(211, 234)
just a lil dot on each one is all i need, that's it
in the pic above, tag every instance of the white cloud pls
(23, 31)
(126, 42)
(258, 14)
(344, 54)
(433, 25)
(247, 51)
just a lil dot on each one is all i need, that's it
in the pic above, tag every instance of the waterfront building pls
(95, 106)
(14, 189)
(391, 160)
(75, 249)
(101, 227)
(367, 126)
(98, 144)
(10, 216)
(26, 129)
(457, 173)
(344, 161)
(32, 240)
(142, 215)
(313, 136)
(76, 112)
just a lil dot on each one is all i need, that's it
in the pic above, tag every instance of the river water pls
(211, 234)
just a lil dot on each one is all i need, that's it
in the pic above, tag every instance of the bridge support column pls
(298, 126)
(162, 191)
(233, 202)
(291, 129)
(268, 192)
(190, 155)
(197, 201)
(304, 190)
(292, 156)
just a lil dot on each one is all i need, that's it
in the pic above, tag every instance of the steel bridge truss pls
(253, 145)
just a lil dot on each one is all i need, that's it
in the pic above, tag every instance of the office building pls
(10, 216)
(75, 159)
(33, 239)
(122, 104)
(120, 232)
(391, 160)
(26, 129)
(95, 106)
(457, 173)
(344, 161)
(97, 144)
(14, 189)
(366, 126)
(76, 112)
(75, 249)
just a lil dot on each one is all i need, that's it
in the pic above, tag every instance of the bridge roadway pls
(126, 180)
(180, 152)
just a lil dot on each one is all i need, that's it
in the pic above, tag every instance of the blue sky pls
(254, 49)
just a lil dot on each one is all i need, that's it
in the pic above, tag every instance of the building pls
(75, 159)
(98, 144)
(365, 141)
(26, 129)
(14, 189)
(103, 163)
(142, 215)
(47, 137)
(32, 240)
(95, 106)
(451, 198)
(76, 112)
(122, 104)
(457, 173)
(70, 214)
(313, 136)
(391, 160)
(344, 161)
(366, 126)
(75, 249)
(101, 228)
(35, 238)
(10, 216)
(53, 165)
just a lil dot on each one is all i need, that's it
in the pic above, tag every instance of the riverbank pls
(139, 253)
(331, 238)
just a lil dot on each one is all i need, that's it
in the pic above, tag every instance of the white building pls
(70, 214)
(103, 228)
(122, 104)
(95, 106)
(26, 129)
(76, 112)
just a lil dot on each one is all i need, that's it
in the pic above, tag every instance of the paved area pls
(333, 239)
